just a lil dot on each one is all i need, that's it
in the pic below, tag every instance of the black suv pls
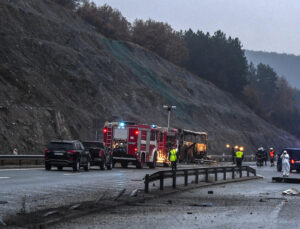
(99, 154)
(294, 154)
(65, 153)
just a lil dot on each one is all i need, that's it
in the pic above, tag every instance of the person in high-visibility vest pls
(239, 155)
(272, 154)
(173, 158)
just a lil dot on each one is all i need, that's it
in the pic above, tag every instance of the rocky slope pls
(61, 79)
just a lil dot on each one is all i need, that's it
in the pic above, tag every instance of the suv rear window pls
(92, 144)
(60, 145)
(295, 154)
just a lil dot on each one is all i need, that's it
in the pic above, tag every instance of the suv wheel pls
(47, 166)
(124, 164)
(102, 165)
(88, 166)
(76, 166)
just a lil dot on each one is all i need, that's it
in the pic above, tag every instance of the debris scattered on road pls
(76, 206)
(3, 202)
(210, 192)
(262, 200)
(120, 194)
(169, 201)
(202, 205)
(134, 193)
(50, 213)
(291, 191)
(189, 213)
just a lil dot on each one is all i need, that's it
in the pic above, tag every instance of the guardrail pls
(21, 158)
(162, 175)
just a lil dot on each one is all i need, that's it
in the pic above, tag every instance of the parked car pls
(99, 154)
(67, 153)
(294, 154)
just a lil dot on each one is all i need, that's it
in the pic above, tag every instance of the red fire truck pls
(132, 143)
(166, 141)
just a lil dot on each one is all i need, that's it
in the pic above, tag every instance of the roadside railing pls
(196, 172)
(19, 159)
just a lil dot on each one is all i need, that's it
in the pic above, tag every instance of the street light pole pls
(169, 109)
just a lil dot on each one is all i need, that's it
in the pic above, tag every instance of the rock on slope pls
(61, 79)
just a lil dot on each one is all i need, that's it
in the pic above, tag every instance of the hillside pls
(285, 65)
(60, 78)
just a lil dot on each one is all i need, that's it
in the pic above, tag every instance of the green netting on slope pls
(120, 51)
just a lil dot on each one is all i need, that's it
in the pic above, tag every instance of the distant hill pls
(284, 64)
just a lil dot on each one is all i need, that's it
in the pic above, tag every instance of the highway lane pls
(251, 204)
(40, 189)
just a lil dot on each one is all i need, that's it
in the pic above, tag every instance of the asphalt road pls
(251, 204)
(36, 189)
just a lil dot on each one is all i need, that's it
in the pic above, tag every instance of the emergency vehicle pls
(166, 140)
(132, 143)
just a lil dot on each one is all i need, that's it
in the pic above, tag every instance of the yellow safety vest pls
(239, 154)
(173, 155)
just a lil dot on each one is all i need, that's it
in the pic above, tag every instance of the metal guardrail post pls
(224, 173)
(233, 171)
(247, 168)
(185, 178)
(147, 183)
(161, 183)
(241, 171)
(206, 175)
(197, 177)
(20, 162)
(2, 162)
(174, 179)
(216, 174)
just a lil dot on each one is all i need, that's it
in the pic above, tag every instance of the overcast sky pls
(267, 25)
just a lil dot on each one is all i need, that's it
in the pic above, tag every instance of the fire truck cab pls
(132, 143)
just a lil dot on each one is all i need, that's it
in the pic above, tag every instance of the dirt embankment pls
(61, 79)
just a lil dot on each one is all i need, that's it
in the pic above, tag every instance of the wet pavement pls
(250, 204)
(36, 189)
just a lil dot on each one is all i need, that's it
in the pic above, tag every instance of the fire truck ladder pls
(109, 137)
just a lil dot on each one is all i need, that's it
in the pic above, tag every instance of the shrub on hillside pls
(107, 20)
(160, 38)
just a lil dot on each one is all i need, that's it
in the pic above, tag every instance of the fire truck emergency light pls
(121, 124)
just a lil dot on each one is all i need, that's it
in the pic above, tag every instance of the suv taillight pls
(71, 152)
(100, 153)
(292, 161)
(47, 151)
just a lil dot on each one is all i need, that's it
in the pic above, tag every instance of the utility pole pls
(169, 109)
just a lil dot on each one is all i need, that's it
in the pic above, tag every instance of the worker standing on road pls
(285, 161)
(239, 154)
(271, 155)
(173, 159)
